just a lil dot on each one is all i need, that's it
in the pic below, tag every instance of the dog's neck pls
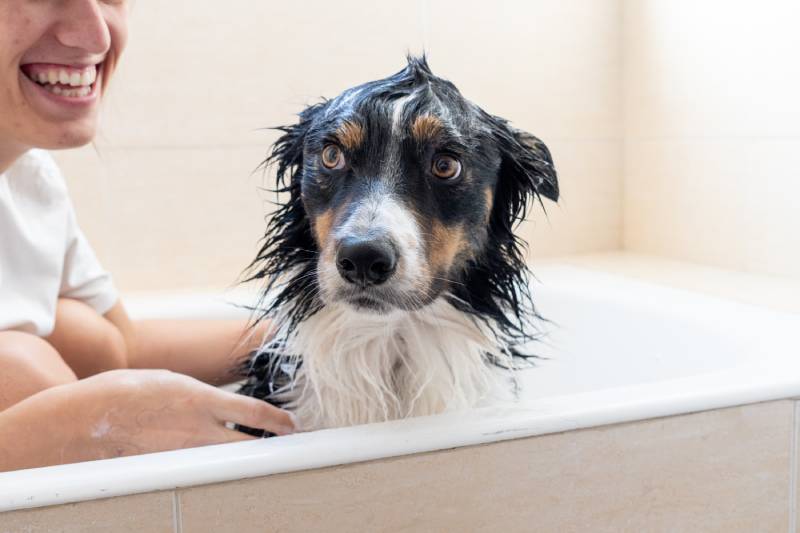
(359, 368)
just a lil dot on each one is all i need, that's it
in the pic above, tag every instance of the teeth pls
(77, 92)
(80, 78)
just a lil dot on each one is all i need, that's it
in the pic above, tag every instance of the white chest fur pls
(359, 368)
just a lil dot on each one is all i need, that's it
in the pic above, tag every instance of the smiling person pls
(71, 361)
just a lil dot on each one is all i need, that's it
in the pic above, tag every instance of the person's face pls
(56, 57)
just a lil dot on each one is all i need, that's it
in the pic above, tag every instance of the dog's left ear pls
(526, 168)
(287, 151)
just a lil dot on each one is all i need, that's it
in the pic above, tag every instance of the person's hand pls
(127, 412)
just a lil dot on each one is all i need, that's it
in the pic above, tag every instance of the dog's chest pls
(359, 369)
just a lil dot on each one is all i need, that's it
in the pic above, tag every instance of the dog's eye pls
(332, 157)
(446, 167)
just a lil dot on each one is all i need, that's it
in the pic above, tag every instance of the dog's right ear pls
(287, 152)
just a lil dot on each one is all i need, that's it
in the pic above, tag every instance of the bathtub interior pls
(608, 331)
(599, 331)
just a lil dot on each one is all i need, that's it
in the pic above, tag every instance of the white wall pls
(712, 132)
(170, 201)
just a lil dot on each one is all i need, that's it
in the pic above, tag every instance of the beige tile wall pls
(139, 513)
(168, 198)
(727, 470)
(675, 125)
(712, 132)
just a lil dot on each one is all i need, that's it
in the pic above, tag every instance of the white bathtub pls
(618, 350)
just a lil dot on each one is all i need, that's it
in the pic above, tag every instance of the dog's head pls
(402, 190)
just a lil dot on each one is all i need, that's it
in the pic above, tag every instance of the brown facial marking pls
(350, 134)
(322, 227)
(426, 127)
(489, 195)
(445, 244)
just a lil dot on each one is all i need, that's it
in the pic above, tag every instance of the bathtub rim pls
(76, 482)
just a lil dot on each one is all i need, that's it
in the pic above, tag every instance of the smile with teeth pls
(63, 80)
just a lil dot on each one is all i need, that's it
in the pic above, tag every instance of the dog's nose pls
(366, 261)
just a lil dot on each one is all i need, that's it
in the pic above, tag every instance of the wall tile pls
(588, 214)
(139, 513)
(172, 219)
(729, 203)
(199, 74)
(553, 68)
(711, 69)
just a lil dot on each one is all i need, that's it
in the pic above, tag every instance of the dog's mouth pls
(367, 301)
(379, 301)
(368, 304)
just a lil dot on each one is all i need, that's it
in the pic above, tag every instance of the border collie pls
(394, 282)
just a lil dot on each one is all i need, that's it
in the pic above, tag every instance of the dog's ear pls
(526, 170)
(287, 152)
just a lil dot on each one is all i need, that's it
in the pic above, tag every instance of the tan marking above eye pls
(332, 157)
(350, 134)
(426, 127)
(446, 167)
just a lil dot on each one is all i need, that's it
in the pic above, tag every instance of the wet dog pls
(394, 282)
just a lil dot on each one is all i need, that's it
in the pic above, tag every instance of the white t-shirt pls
(43, 253)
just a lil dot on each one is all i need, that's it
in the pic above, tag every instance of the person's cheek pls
(116, 16)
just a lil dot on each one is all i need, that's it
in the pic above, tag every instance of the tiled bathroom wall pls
(712, 132)
(168, 195)
(675, 125)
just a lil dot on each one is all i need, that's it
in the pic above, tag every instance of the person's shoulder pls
(43, 164)
(37, 168)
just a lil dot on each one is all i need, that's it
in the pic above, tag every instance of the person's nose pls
(84, 26)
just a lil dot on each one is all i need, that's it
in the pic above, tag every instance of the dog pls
(394, 282)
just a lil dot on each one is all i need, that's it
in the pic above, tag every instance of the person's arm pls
(126, 412)
(209, 350)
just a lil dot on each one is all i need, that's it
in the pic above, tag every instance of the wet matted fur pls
(430, 187)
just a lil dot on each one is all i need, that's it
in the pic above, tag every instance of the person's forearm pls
(209, 350)
(39, 431)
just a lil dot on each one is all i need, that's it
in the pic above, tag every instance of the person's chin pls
(72, 136)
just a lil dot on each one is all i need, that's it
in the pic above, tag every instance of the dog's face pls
(405, 184)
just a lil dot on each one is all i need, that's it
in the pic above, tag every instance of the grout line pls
(102, 149)
(793, 468)
(176, 512)
(623, 125)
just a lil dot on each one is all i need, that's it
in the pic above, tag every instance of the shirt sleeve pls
(83, 278)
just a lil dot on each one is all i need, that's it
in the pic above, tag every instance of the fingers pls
(231, 435)
(253, 413)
